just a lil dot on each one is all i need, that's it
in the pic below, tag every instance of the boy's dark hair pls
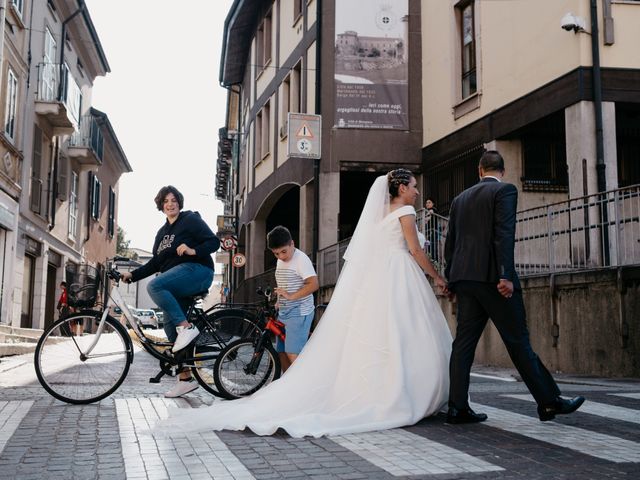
(279, 237)
(63, 284)
(162, 194)
(491, 160)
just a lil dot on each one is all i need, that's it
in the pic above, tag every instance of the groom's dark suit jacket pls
(481, 234)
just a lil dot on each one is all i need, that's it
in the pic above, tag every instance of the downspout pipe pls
(316, 162)
(597, 104)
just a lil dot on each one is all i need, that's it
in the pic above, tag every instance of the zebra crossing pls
(430, 448)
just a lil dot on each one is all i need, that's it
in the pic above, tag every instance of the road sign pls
(229, 243)
(238, 260)
(304, 135)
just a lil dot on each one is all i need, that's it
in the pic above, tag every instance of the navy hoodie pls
(188, 228)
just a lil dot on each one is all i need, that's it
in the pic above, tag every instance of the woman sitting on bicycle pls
(182, 254)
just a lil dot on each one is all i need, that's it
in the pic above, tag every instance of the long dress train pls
(378, 358)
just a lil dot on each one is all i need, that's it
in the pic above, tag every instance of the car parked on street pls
(148, 317)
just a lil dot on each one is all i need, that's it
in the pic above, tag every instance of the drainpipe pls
(316, 162)
(597, 103)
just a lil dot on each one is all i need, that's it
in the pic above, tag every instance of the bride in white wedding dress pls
(379, 357)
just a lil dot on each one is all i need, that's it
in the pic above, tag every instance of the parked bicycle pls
(246, 365)
(86, 356)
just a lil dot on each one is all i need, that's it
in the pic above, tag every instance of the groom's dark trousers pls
(477, 302)
(479, 251)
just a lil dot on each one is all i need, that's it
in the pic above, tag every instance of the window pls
(544, 155)
(291, 96)
(468, 48)
(74, 96)
(73, 204)
(10, 107)
(263, 42)
(36, 174)
(111, 222)
(262, 133)
(628, 144)
(96, 190)
(18, 5)
(49, 74)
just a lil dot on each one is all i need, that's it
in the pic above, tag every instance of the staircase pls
(18, 341)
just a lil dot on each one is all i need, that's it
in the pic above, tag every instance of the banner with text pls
(371, 64)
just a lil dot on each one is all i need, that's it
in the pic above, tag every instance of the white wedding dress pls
(378, 359)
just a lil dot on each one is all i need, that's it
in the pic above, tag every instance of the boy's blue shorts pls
(297, 331)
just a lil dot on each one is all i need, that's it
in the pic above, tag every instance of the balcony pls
(86, 144)
(58, 98)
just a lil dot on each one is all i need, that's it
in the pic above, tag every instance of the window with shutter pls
(112, 213)
(63, 178)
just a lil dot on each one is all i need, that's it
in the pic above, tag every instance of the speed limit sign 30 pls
(238, 260)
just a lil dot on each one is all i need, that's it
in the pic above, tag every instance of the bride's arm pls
(410, 233)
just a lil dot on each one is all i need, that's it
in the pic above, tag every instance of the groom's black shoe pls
(560, 406)
(464, 416)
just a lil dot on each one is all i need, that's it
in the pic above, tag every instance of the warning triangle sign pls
(304, 132)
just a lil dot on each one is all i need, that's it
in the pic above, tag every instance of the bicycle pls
(246, 365)
(87, 365)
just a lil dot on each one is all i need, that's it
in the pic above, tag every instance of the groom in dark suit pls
(481, 272)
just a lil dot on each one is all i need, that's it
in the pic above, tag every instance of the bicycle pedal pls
(154, 380)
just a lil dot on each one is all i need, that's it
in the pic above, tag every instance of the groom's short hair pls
(491, 160)
(279, 237)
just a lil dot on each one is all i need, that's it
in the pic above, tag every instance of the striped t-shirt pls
(291, 276)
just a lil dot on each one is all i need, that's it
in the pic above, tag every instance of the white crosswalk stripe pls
(149, 455)
(600, 409)
(595, 444)
(634, 395)
(403, 453)
(11, 414)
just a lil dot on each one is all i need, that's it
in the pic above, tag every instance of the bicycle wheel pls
(230, 369)
(228, 326)
(70, 370)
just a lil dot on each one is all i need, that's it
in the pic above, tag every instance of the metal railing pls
(88, 135)
(55, 84)
(595, 231)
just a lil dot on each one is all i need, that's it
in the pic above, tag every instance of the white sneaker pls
(182, 387)
(186, 335)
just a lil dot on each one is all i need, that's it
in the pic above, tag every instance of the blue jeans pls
(169, 288)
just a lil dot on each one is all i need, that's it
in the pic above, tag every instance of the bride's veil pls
(365, 242)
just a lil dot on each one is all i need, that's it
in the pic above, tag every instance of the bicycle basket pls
(83, 285)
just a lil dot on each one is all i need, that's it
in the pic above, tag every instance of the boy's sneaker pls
(186, 335)
(182, 387)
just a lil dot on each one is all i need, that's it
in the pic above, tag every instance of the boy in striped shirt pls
(297, 280)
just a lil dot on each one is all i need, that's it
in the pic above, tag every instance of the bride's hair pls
(397, 177)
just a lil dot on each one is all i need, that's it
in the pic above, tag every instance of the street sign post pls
(304, 135)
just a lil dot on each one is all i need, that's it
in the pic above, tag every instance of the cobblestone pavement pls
(42, 438)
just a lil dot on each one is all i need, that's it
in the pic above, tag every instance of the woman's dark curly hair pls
(397, 177)
(162, 194)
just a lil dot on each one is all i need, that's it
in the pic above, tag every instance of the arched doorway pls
(285, 212)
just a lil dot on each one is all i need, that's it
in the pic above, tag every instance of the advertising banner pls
(371, 64)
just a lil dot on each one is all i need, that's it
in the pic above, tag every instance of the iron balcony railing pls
(88, 135)
(591, 232)
(56, 84)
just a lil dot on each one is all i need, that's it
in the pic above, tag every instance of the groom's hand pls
(505, 287)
